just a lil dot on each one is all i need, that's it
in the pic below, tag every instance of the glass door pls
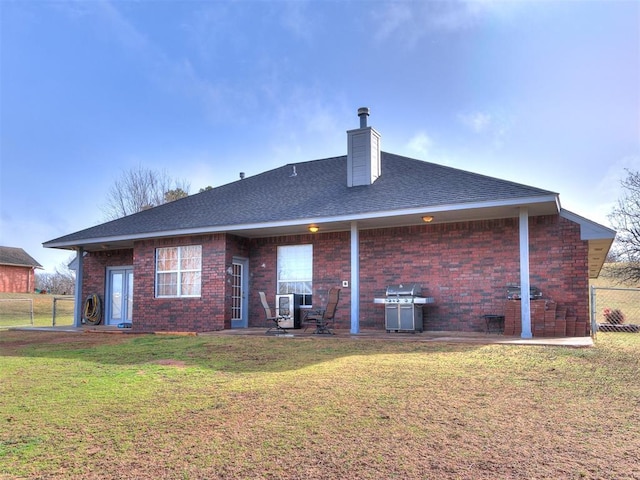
(119, 304)
(239, 287)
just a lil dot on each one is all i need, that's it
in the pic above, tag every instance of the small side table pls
(497, 321)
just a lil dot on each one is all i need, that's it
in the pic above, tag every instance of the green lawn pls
(145, 406)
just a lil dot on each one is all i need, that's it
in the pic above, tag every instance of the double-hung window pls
(178, 271)
(295, 271)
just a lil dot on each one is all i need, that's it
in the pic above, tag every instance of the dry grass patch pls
(120, 406)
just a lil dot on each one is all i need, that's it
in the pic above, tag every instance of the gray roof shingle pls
(17, 257)
(318, 190)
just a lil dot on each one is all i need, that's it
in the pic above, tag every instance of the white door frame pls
(126, 300)
(242, 320)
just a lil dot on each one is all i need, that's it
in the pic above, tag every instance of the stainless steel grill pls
(403, 307)
(513, 293)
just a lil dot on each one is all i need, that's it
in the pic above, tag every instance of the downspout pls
(525, 300)
(355, 278)
(77, 302)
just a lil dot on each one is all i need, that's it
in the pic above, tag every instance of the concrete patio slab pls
(446, 337)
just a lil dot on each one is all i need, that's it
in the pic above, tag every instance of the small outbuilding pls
(17, 270)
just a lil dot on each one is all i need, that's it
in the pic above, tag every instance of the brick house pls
(17, 271)
(361, 221)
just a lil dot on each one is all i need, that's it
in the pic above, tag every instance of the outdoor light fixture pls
(313, 228)
(427, 219)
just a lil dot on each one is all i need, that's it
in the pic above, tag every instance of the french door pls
(239, 290)
(119, 298)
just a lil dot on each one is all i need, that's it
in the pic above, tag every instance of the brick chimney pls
(363, 153)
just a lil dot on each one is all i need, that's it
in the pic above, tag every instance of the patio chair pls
(272, 320)
(324, 318)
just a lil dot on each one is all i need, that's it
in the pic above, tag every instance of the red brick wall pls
(205, 313)
(331, 265)
(15, 279)
(94, 271)
(212, 311)
(464, 266)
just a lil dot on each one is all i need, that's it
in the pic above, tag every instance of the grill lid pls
(404, 289)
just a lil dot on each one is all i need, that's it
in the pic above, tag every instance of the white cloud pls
(295, 19)
(392, 18)
(308, 126)
(493, 126)
(609, 185)
(420, 145)
(124, 31)
(412, 21)
(478, 121)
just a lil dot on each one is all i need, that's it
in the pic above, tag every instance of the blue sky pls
(545, 93)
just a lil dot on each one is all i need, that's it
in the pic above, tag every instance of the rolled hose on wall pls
(92, 313)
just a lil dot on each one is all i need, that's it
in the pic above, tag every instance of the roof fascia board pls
(589, 230)
(432, 209)
(23, 265)
(303, 221)
(518, 202)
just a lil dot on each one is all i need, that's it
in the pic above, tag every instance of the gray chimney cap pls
(363, 113)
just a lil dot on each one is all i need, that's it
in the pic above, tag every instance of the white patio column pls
(77, 302)
(355, 278)
(525, 302)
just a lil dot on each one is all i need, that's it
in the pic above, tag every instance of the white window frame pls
(295, 266)
(179, 271)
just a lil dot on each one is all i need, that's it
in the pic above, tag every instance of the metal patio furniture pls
(324, 318)
(272, 320)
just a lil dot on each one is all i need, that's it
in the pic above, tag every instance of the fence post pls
(53, 319)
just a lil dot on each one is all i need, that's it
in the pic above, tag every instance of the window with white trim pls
(178, 271)
(295, 271)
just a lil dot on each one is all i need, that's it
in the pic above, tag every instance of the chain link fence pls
(615, 309)
(63, 311)
(16, 312)
(36, 310)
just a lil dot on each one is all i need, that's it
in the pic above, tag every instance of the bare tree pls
(625, 218)
(141, 188)
(62, 282)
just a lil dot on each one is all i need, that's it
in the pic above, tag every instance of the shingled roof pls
(313, 190)
(17, 257)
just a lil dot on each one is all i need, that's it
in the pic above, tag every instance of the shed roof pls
(17, 257)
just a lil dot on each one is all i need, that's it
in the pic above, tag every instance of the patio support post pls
(525, 301)
(355, 278)
(77, 303)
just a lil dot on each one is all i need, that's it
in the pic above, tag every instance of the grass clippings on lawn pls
(121, 406)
